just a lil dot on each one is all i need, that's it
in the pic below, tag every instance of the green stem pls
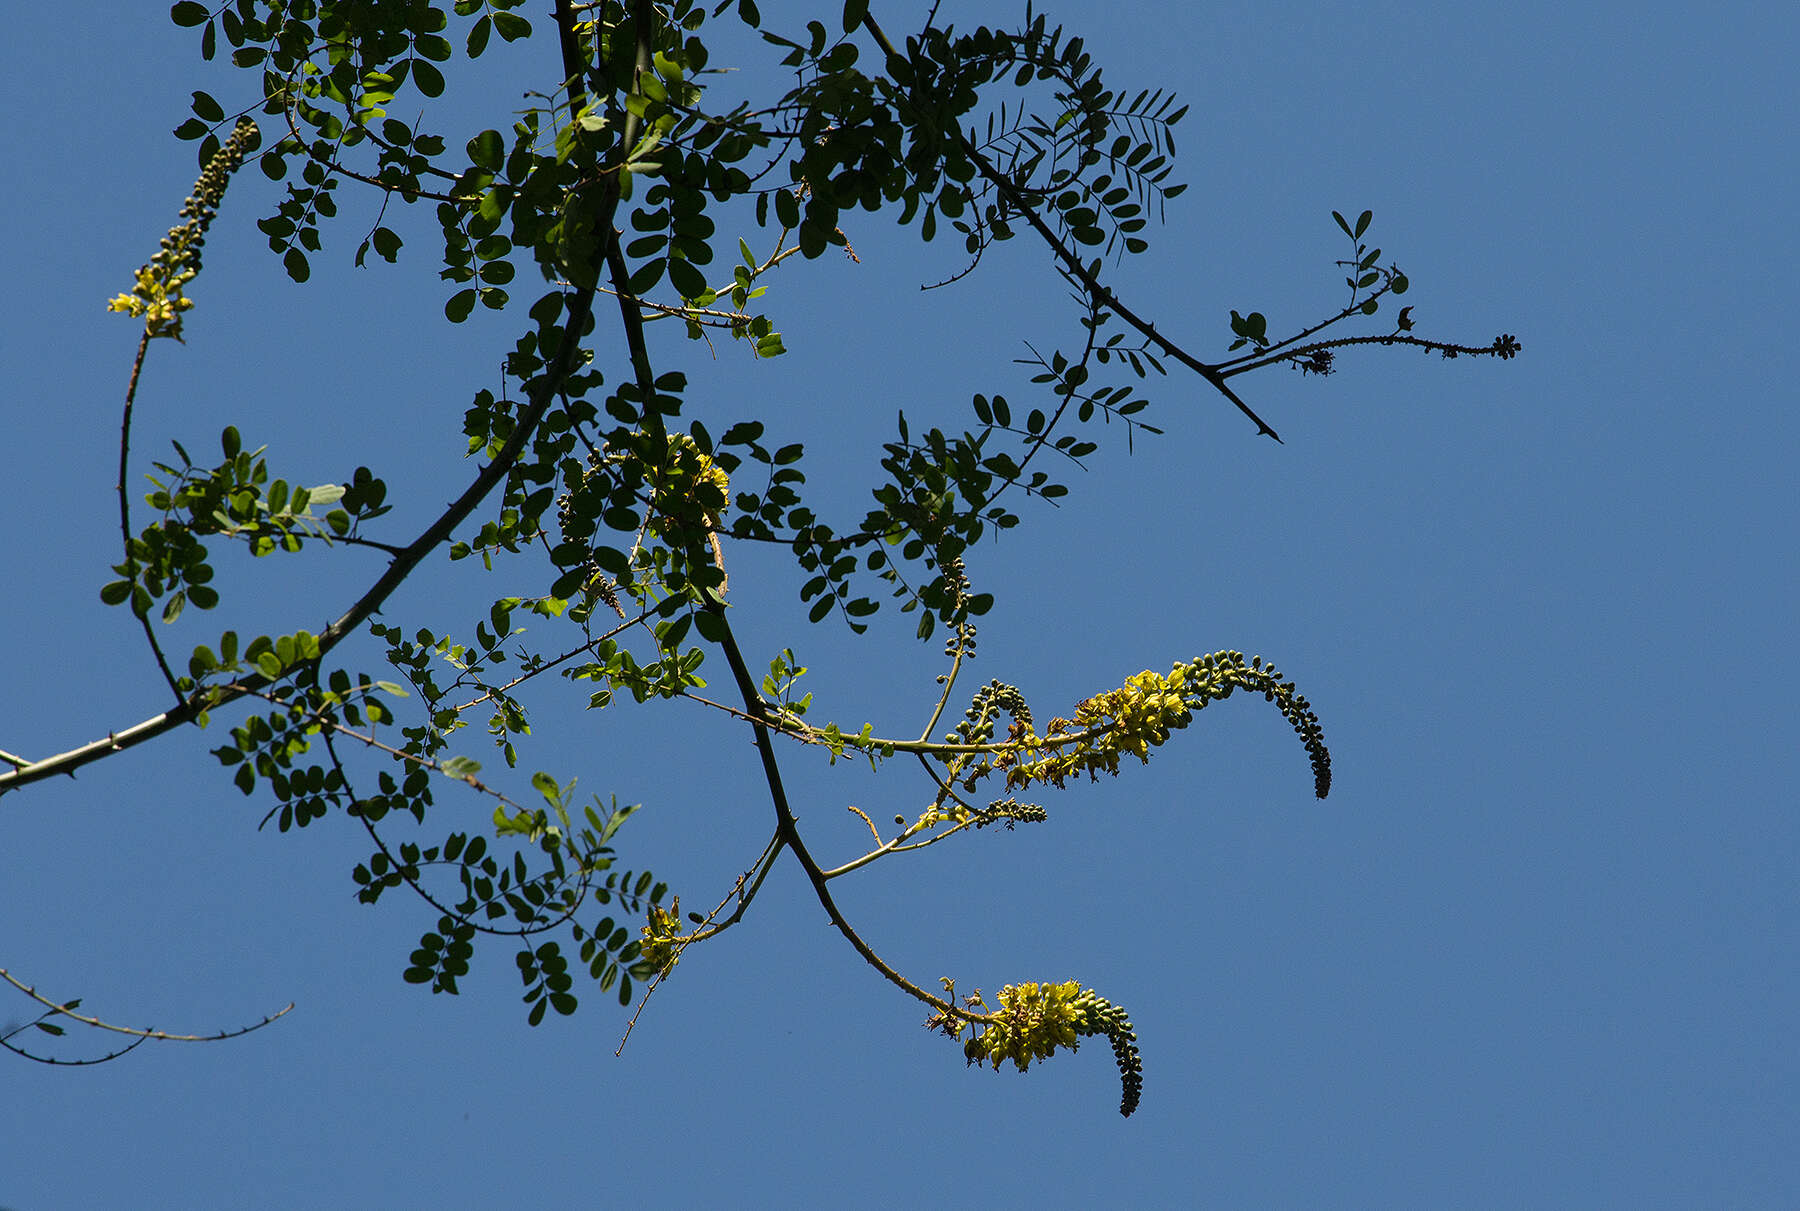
(137, 367)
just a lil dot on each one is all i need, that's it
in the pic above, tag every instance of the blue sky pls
(1537, 949)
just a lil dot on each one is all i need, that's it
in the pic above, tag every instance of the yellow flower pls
(157, 296)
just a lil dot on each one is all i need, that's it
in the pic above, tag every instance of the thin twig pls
(142, 1035)
(708, 928)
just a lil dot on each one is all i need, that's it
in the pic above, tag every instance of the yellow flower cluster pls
(1035, 1019)
(158, 295)
(1032, 1022)
(1133, 719)
(158, 298)
(1139, 715)
(691, 476)
(660, 945)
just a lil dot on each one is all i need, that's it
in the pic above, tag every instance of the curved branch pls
(131, 386)
(788, 826)
(139, 1035)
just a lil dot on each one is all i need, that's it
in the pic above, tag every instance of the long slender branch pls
(137, 367)
(788, 825)
(748, 884)
(956, 662)
(895, 847)
(805, 733)
(67, 1011)
(548, 665)
(1262, 357)
(5, 1041)
(1448, 348)
(711, 928)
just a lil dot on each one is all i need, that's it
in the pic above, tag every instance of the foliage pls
(609, 508)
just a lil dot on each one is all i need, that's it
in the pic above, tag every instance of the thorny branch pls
(139, 1036)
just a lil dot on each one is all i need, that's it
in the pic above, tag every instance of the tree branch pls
(788, 826)
(139, 1035)
(1080, 272)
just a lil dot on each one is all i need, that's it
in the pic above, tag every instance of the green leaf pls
(188, 14)
(208, 109)
(295, 264)
(461, 767)
(1362, 224)
(686, 279)
(478, 36)
(645, 277)
(429, 79)
(854, 12)
(460, 305)
(487, 150)
(709, 626)
(386, 243)
(787, 209)
(512, 27)
(115, 593)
